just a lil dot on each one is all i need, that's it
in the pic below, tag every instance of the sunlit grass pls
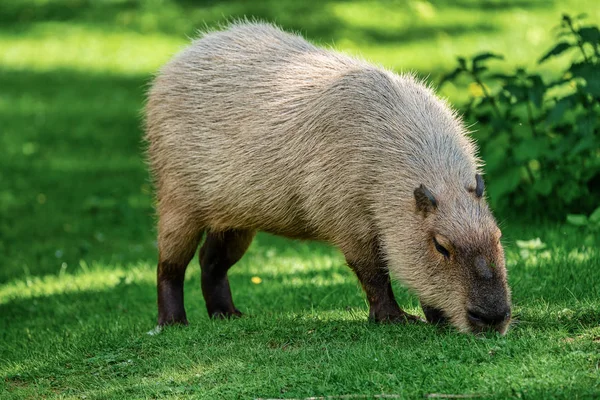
(87, 279)
(52, 46)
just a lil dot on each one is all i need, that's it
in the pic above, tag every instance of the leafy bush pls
(540, 139)
(589, 224)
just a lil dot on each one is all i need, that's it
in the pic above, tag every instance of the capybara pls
(254, 129)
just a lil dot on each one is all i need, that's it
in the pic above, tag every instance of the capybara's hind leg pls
(178, 238)
(218, 253)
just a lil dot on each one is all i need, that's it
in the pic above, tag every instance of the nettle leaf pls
(568, 190)
(583, 69)
(521, 73)
(536, 92)
(556, 113)
(518, 91)
(595, 216)
(587, 143)
(564, 146)
(529, 149)
(590, 240)
(559, 82)
(543, 186)
(555, 51)
(567, 18)
(589, 72)
(495, 151)
(521, 130)
(502, 77)
(590, 34)
(451, 76)
(505, 98)
(506, 181)
(586, 124)
(577, 219)
(500, 124)
(479, 68)
(486, 56)
(499, 141)
(486, 107)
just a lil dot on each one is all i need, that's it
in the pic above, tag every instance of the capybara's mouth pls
(486, 321)
(434, 315)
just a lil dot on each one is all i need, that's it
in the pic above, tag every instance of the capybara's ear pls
(479, 186)
(426, 201)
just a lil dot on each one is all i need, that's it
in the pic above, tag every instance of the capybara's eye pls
(441, 249)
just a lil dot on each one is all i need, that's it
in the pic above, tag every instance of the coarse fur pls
(254, 129)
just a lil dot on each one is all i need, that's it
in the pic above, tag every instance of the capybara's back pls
(254, 129)
(236, 132)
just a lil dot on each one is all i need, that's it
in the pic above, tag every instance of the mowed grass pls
(77, 238)
(83, 332)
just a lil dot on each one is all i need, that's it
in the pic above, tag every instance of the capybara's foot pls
(225, 314)
(411, 319)
(172, 320)
(395, 318)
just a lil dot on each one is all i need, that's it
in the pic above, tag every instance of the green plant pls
(591, 224)
(540, 139)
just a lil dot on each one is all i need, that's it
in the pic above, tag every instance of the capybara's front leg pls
(376, 283)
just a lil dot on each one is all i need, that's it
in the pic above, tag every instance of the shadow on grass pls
(72, 153)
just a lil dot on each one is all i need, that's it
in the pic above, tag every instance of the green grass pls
(77, 239)
(82, 331)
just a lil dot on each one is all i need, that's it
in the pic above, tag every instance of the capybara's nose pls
(489, 318)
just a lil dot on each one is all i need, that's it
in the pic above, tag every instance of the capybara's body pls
(254, 129)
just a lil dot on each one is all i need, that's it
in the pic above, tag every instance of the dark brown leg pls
(376, 283)
(434, 315)
(220, 251)
(177, 243)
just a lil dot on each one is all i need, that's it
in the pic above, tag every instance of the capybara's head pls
(463, 259)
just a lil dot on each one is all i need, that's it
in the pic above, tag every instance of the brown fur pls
(251, 128)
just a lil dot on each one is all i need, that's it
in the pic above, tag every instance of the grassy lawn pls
(77, 238)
